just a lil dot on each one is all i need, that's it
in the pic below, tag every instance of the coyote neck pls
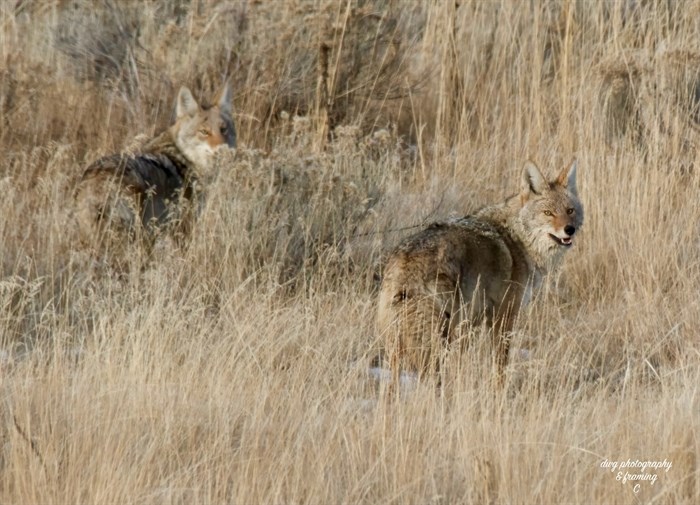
(164, 144)
(507, 217)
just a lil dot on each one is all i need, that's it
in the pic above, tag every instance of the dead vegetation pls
(233, 369)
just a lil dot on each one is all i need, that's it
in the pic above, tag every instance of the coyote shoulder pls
(125, 193)
(480, 268)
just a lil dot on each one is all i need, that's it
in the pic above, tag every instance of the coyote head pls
(198, 131)
(551, 211)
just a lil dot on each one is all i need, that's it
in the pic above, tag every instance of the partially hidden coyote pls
(128, 194)
(475, 269)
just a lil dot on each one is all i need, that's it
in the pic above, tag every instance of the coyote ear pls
(533, 181)
(567, 177)
(186, 104)
(225, 99)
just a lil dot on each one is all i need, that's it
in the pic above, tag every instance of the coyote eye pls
(569, 211)
(548, 213)
(204, 131)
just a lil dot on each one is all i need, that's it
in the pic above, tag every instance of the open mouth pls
(566, 242)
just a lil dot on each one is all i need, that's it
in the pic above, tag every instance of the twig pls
(29, 441)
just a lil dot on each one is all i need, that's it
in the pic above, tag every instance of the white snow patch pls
(522, 354)
(408, 381)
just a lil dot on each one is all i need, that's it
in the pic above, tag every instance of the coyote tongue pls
(566, 241)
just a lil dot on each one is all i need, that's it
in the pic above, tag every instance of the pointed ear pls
(225, 99)
(567, 177)
(533, 182)
(186, 104)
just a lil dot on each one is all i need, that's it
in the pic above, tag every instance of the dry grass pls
(234, 370)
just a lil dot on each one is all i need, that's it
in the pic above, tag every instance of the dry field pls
(234, 369)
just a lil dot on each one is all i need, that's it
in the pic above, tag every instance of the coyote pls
(122, 195)
(479, 268)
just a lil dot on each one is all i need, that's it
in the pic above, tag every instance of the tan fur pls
(480, 268)
(125, 195)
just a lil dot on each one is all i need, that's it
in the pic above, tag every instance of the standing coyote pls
(479, 268)
(125, 194)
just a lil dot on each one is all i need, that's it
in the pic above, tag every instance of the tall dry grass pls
(233, 370)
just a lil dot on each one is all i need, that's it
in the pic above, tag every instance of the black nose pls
(569, 230)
